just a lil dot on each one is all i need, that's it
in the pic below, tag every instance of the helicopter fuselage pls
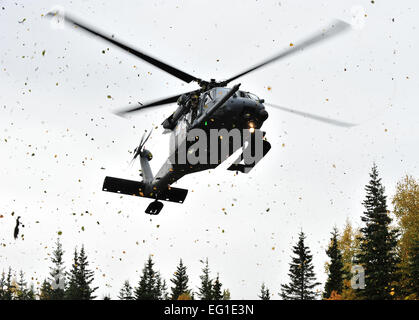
(242, 111)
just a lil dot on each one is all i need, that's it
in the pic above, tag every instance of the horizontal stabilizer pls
(136, 188)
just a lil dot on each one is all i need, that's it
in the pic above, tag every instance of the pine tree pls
(45, 291)
(302, 284)
(217, 294)
(2, 286)
(336, 272)
(126, 292)
(6, 287)
(378, 244)
(264, 293)
(72, 291)
(151, 286)
(180, 282)
(57, 278)
(86, 277)
(30, 293)
(205, 291)
(161, 288)
(21, 292)
(80, 278)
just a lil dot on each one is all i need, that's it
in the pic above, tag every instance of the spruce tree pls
(264, 293)
(126, 292)
(80, 278)
(180, 281)
(72, 291)
(85, 277)
(30, 293)
(3, 286)
(301, 274)
(336, 273)
(6, 285)
(378, 244)
(217, 294)
(57, 278)
(161, 288)
(22, 293)
(151, 286)
(45, 291)
(205, 291)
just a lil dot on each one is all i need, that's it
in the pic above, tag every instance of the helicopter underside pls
(161, 189)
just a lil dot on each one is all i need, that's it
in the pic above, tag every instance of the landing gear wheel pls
(154, 208)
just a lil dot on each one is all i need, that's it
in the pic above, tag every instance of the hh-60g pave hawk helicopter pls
(212, 106)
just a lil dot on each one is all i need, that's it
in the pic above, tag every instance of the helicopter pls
(211, 107)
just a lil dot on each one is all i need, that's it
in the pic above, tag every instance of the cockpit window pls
(207, 99)
(219, 92)
(212, 93)
(253, 97)
(242, 94)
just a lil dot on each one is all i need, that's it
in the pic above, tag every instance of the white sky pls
(312, 179)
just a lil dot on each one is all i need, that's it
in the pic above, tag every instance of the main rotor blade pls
(157, 63)
(152, 104)
(314, 116)
(331, 31)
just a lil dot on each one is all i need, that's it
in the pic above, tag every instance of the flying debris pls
(16, 231)
(210, 107)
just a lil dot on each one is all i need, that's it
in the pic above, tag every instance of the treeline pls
(77, 283)
(379, 261)
(386, 250)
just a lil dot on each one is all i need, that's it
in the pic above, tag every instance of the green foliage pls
(45, 292)
(406, 209)
(22, 292)
(57, 273)
(301, 274)
(151, 286)
(126, 292)
(336, 272)
(217, 294)
(264, 293)
(180, 281)
(11, 289)
(80, 278)
(206, 289)
(378, 244)
(6, 287)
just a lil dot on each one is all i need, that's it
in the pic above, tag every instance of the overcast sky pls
(59, 138)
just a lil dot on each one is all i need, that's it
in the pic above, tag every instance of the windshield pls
(219, 92)
(252, 96)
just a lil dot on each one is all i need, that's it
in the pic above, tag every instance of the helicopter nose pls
(263, 115)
